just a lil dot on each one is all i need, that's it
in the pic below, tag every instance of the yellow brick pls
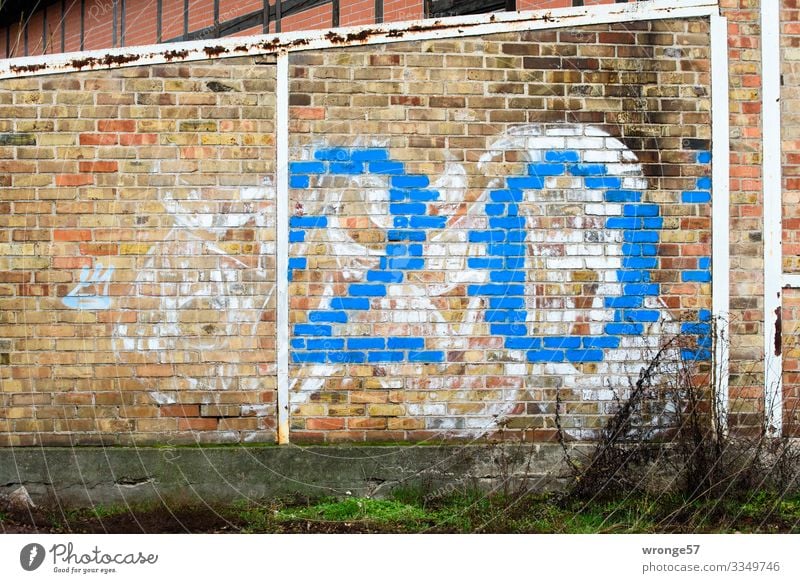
(376, 410)
(219, 139)
(134, 249)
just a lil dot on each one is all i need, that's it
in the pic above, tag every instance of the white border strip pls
(772, 189)
(458, 26)
(720, 208)
(282, 242)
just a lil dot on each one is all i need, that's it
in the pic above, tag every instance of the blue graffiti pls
(80, 298)
(504, 260)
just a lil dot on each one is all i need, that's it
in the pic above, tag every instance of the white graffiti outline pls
(450, 252)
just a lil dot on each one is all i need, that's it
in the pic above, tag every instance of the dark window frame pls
(444, 8)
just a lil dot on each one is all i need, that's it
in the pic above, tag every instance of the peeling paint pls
(175, 55)
(28, 68)
(215, 51)
(106, 61)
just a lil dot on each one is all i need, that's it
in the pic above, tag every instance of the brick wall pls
(72, 32)
(172, 22)
(98, 27)
(137, 264)
(315, 18)
(140, 25)
(791, 362)
(479, 223)
(790, 100)
(398, 10)
(476, 225)
(358, 12)
(34, 32)
(790, 123)
(746, 354)
(373, 276)
(53, 31)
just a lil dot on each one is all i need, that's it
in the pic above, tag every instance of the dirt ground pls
(169, 521)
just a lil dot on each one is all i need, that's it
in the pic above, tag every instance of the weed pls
(666, 441)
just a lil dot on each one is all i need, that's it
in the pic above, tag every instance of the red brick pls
(180, 410)
(197, 424)
(138, 139)
(72, 235)
(73, 180)
(406, 100)
(324, 423)
(366, 423)
(307, 112)
(99, 139)
(198, 152)
(33, 290)
(98, 166)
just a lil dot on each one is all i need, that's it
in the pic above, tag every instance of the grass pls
(358, 509)
(465, 512)
(469, 513)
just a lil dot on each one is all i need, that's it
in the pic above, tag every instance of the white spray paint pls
(223, 284)
(587, 246)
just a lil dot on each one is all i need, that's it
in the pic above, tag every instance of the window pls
(441, 8)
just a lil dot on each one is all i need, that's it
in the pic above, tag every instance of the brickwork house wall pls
(477, 226)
